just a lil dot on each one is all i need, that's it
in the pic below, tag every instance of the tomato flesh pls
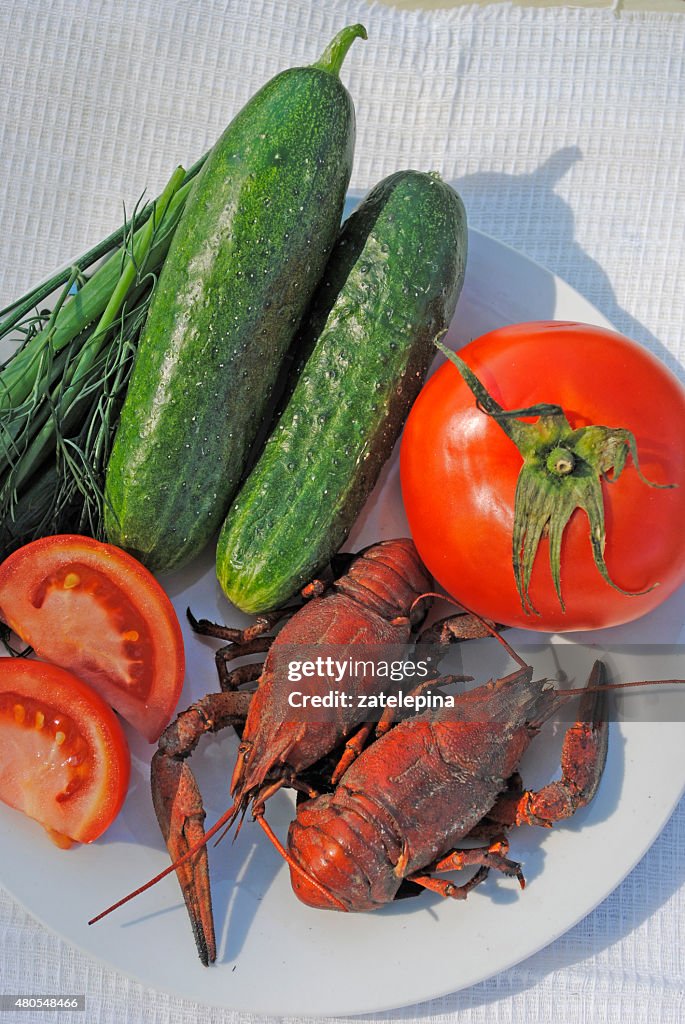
(96, 611)
(64, 759)
(78, 596)
(459, 473)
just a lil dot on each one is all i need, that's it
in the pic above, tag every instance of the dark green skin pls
(389, 290)
(248, 252)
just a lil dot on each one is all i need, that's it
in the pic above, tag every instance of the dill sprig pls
(62, 388)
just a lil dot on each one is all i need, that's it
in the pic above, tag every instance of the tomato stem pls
(562, 470)
(561, 461)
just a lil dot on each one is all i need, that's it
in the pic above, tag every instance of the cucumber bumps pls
(246, 257)
(389, 290)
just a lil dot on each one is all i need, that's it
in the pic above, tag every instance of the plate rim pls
(369, 1005)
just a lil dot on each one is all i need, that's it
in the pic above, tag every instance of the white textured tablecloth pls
(564, 131)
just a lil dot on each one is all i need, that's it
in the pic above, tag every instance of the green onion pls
(62, 389)
(90, 302)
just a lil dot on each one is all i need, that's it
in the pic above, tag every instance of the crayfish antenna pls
(621, 686)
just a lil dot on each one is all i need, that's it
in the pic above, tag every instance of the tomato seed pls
(27, 712)
(71, 580)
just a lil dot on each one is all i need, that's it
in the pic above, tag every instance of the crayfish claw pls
(179, 810)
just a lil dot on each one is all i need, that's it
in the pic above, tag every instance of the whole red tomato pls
(460, 470)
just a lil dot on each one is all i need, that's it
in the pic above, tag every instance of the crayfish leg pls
(212, 713)
(240, 643)
(448, 889)
(357, 741)
(314, 589)
(232, 680)
(353, 749)
(583, 756)
(239, 637)
(455, 629)
(487, 858)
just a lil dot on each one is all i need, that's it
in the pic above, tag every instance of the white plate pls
(277, 956)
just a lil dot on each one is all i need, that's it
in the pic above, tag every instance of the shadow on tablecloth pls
(490, 197)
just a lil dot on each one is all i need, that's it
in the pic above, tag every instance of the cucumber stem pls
(333, 56)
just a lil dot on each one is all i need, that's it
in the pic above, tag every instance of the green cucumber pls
(248, 252)
(390, 288)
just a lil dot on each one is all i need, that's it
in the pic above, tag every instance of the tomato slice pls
(96, 611)
(64, 760)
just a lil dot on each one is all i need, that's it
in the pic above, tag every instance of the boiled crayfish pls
(400, 804)
(380, 600)
(401, 810)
